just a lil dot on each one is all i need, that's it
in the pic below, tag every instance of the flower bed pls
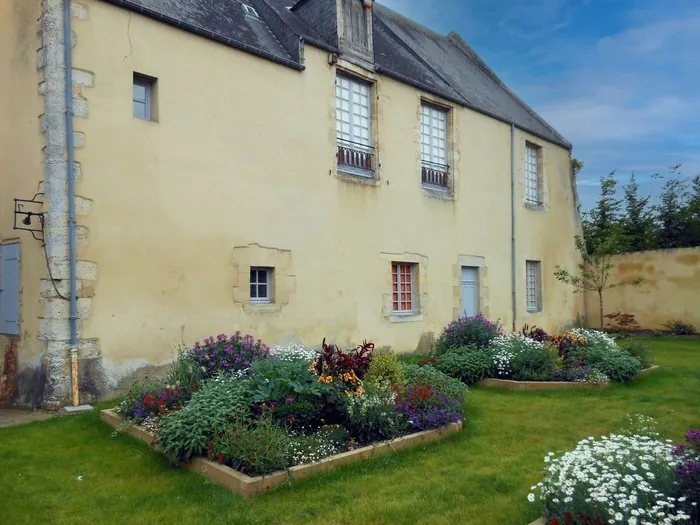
(629, 478)
(476, 350)
(260, 412)
(249, 487)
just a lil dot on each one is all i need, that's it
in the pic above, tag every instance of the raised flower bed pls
(250, 417)
(476, 351)
(251, 486)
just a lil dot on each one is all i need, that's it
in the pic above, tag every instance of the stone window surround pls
(283, 279)
(473, 261)
(542, 169)
(346, 68)
(420, 297)
(452, 142)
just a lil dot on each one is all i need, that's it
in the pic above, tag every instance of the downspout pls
(512, 224)
(68, 64)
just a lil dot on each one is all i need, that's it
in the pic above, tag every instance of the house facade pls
(325, 169)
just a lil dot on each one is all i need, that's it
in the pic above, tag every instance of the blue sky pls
(620, 79)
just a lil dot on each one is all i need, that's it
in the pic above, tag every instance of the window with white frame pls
(532, 175)
(433, 134)
(143, 99)
(261, 285)
(353, 119)
(403, 282)
(533, 286)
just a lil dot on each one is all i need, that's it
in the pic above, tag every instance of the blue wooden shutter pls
(9, 289)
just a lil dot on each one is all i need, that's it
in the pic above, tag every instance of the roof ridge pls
(421, 59)
(465, 48)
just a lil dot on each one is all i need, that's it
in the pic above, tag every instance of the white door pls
(470, 304)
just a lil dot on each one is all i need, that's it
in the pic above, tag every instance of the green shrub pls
(640, 350)
(466, 364)
(680, 327)
(453, 388)
(538, 363)
(184, 433)
(371, 416)
(616, 364)
(385, 366)
(253, 447)
(656, 333)
(185, 373)
(476, 332)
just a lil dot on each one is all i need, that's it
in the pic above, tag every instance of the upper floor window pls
(353, 110)
(143, 98)
(533, 286)
(403, 281)
(261, 285)
(433, 135)
(532, 175)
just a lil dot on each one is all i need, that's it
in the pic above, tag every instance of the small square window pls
(533, 284)
(403, 283)
(143, 98)
(261, 285)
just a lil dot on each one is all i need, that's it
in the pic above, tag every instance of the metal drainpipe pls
(512, 223)
(68, 64)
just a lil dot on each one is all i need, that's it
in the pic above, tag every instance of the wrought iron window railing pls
(435, 174)
(355, 155)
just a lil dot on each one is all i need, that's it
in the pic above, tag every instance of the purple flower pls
(693, 436)
(290, 400)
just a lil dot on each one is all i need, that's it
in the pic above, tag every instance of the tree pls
(637, 223)
(670, 214)
(601, 225)
(594, 272)
(576, 166)
(693, 213)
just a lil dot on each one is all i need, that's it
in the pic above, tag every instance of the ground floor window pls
(403, 280)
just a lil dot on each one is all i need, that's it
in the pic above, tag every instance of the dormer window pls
(250, 11)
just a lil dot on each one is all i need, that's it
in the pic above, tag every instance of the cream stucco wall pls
(21, 145)
(670, 291)
(240, 167)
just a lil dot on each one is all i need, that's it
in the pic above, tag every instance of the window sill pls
(437, 192)
(533, 312)
(405, 318)
(534, 206)
(349, 174)
(262, 307)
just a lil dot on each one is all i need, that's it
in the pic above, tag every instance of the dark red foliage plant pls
(336, 362)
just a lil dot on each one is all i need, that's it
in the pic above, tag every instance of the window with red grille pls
(403, 281)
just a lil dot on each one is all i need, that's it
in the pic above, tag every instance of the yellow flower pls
(321, 379)
(329, 379)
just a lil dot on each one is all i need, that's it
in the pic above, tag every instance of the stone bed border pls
(249, 487)
(548, 385)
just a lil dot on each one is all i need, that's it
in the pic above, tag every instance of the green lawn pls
(481, 476)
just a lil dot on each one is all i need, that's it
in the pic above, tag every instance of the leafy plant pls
(385, 366)
(466, 364)
(297, 414)
(688, 473)
(427, 374)
(476, 332)
(371, 416)
(335, 362)
(639, 350)
(680, 327)
(184, 433)
(185, 373)
(623, 323)
(536, 334)
(429, 398)
(505, 348)
(593, 273)
(253, 447)
(278, 380)
(228, 354)
(537, 364)
(616, 364)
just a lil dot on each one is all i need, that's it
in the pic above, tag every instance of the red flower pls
(220, 458)
(554, 521)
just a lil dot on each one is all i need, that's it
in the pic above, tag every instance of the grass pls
(481, 476)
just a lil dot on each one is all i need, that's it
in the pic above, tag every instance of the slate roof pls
(442, 65)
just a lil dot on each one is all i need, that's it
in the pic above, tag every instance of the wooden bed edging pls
(549, 385)
(249, 487)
